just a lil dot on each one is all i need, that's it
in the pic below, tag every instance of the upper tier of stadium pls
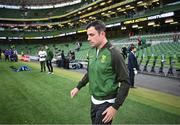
(32, 2)
(126, 15)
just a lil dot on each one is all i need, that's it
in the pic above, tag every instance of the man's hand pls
(109, 113)
(74, 92)
(135, 71)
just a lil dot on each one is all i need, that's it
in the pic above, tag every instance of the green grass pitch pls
(32, 97)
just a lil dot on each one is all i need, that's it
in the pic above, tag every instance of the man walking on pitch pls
(107, 76)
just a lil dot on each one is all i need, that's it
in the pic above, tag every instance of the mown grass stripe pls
(39, 98)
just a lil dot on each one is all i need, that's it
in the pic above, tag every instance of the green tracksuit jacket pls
(105, 71)
(50, 54)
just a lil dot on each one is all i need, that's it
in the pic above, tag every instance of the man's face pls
(94, 38)
(134, 50)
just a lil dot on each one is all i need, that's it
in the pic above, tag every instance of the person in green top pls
(49, 58)
(107, 75)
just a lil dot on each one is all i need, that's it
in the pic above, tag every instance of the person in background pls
(49, 58)
(42, 59)
(15, 55)
(106, 70)
(63, 59)
(11, 54)
(124, 50)
(132, 64)
(6, 54)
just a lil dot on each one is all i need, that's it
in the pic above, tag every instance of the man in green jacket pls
(49, 58)
(107, 76)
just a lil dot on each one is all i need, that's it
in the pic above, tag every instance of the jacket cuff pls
(116, 106)
(79, 86)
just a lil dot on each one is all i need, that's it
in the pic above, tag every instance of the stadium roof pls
(32, 2)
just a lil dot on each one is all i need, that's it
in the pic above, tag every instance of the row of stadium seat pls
(169, 49)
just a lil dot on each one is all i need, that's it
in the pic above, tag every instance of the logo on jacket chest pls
(103, 59)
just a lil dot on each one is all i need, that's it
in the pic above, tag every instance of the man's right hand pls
(74, 92)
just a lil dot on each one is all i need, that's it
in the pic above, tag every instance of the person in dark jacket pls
(132, 64)
(124, 50)
(107, 76)
(49, 58)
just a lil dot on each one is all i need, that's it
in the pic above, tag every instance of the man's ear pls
(103, 33)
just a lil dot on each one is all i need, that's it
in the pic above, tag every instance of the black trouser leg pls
(96, 113)
(43, 66)
(51, 68)
(131, 77)
(47, 64)
(6, 57)
(41, 63)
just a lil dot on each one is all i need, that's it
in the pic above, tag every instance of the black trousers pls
(7, 57)
(96, 113)
(43, 66)
(131, 77)
(49, 65)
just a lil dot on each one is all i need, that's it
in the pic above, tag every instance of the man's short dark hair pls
(132, 46)
(98, 25)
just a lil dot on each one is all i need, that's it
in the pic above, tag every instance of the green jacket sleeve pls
(83, 82)
(122, 77)
(85, 78)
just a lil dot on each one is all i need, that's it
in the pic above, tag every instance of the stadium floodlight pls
(92, 18)
(2, 37)
(103, 3)
(169, 20)
(131, 7)
(70, 24)
(109, 1)
(127, 6)
(135, 26)
(140, 27)
(89, 8)
(151, 23)
(103, 13)
(140, 2)
(123, 28)
(156, 25)
(155, 0)
(174, 23)
(109, 11)
(49, 26)
(61, 25)
(119, 8)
